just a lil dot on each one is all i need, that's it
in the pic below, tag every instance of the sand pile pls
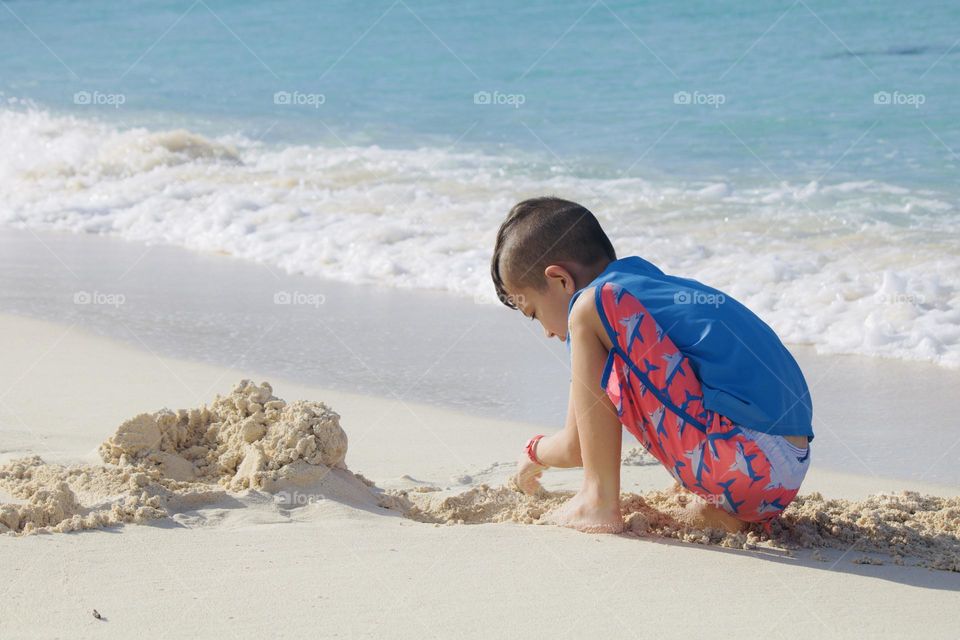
(70, 498)
(478, 505)
(909, 528)
(250, 440)
(166, 461)
(246, 439)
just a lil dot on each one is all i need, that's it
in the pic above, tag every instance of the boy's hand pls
(528, 475)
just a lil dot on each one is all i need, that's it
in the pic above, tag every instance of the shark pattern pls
(681, 423)
(674, 360)
(771, 507)
(619, 404)
(659, 332)
(632, 325)
(657, 418)
(713, 437)
(727, 501)
(675, 470)
(695, 456)
(650, 367)
(742, 464)
(618, 291)
(711, 455)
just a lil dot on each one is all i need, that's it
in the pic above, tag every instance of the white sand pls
(338, 564)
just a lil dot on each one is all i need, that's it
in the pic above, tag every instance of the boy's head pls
(547, 249)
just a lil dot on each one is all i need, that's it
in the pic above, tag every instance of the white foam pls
(856, 267)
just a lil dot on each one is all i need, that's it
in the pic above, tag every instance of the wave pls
(861, 267)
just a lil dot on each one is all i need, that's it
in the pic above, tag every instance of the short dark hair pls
(542, 231)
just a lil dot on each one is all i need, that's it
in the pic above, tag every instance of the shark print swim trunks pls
(750, 474)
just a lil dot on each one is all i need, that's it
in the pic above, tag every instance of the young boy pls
(702, 382)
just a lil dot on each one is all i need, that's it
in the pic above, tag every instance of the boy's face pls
(549, 306)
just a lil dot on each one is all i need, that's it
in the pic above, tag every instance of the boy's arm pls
(562, 449)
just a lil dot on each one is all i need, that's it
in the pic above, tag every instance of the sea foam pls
(860, 267)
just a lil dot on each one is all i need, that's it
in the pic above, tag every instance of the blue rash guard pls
(746, 372)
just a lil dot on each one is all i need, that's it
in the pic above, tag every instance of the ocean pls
(801, 156)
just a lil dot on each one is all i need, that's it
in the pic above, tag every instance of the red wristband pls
(531, 443)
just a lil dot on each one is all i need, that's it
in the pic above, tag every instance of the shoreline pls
(872, 416)
(143, 381)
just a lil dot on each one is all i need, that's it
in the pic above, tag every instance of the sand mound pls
(908, 527)
(70, 498)
(243, 440)
(478, 505)
(166, 461)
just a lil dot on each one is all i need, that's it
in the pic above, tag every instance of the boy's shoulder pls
(585, 318)
(584, 305)
(584, 310)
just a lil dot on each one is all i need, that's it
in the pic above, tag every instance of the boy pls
(701, 381)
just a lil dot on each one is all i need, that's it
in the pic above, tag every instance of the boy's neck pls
(586, 274)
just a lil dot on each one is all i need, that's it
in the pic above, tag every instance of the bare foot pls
(700, 514)
(586, 514)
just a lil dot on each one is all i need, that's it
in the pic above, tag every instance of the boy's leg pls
(596, 507)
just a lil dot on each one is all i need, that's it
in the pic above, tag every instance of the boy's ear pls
(557, 271)
(552, 271)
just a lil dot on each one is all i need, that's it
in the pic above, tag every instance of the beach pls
(334, 569)
(336, 563)
(256, 380)
(436, 395)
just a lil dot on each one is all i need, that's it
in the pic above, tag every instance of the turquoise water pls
(596, 80)
(800, 156)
